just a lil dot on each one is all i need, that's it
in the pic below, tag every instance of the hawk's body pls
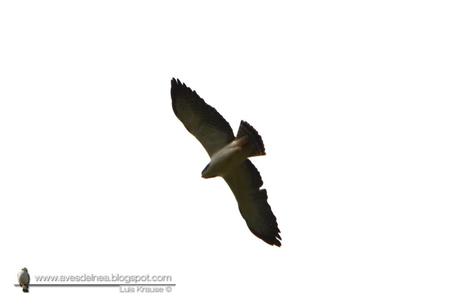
(229, 158)
(226, 159)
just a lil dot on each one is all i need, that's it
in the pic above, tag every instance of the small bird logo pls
(24, 279)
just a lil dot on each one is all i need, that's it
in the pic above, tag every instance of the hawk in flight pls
(229, 158)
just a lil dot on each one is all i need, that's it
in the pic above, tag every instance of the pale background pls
(358, 106)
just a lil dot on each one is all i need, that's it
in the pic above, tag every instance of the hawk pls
(229, 158)
(24, 279)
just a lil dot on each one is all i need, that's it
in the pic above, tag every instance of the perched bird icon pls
(229, 158)
(24, 279)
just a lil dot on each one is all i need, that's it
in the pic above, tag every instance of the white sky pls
(358, 106)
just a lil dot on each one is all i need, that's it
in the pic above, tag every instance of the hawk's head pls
(206, 173)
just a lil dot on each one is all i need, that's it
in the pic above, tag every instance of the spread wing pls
(199, 118)
(245, 183)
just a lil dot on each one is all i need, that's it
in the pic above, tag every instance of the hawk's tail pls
(255, 145)
(25, 288)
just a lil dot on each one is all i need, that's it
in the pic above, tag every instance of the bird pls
(24, 279)
(229, 158)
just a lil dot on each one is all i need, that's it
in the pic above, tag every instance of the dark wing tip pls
(271, 239)
(176, 83)
(181, 89)
(176, 87)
